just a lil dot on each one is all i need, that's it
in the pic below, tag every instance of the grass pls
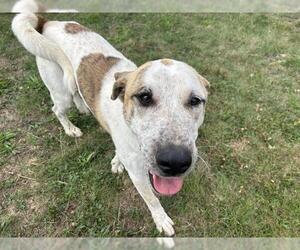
(53, 185)
(169, 5)
(6, 146)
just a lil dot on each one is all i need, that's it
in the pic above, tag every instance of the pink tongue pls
(167, 186)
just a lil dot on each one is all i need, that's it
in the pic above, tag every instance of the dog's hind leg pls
(52, 76)
(69, 127)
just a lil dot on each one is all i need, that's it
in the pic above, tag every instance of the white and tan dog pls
(152, 112)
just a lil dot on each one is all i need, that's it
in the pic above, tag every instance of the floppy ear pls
(204, 81)
(119, 85)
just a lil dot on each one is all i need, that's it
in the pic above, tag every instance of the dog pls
(152, 112)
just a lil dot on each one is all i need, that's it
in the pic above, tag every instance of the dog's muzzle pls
(172, 162)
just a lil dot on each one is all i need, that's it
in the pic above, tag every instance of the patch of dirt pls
(11, 210)
(65, 220)
(240, 145)
(18, 165)
(9, 119)
(16, 66)
(4, 62)
(35, 205)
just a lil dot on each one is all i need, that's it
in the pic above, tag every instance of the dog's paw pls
(73, 131)
(164, 223)
(166, 242)
(116, 166)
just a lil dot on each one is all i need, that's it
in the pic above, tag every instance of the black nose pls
(173, 160)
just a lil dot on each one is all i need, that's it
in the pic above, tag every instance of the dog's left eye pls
(195, 101)
(145, 99)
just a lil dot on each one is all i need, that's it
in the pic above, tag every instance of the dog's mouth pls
(166, 186)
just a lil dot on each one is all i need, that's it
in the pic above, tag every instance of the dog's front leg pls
(162, 220)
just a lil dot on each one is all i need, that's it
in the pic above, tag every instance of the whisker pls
(206, 164)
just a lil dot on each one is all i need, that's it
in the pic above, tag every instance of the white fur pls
(29, 6)
(59, 55)
(32, 7)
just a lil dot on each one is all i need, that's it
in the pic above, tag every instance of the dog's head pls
(164, 105)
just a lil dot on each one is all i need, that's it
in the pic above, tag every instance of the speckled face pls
(164, 105)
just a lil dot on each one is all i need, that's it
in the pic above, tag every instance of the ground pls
(54, 185)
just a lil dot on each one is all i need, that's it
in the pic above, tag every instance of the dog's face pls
(164, 105)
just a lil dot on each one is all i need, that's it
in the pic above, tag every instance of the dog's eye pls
(196, 101)
(145, 99)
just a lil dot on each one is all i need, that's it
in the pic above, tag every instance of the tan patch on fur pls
(204, 81)
(74, 28)
(40, 25)
(133, 85)
(90, 74)
(166, 61)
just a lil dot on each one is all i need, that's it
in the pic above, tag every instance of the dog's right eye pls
(196, 101)
(145, 99)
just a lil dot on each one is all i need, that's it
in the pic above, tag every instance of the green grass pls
(6, 145)
(53, 185)
(169, 5)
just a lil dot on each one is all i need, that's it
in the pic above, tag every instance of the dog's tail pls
(35, 7)
(28, 28)
(28, 6)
